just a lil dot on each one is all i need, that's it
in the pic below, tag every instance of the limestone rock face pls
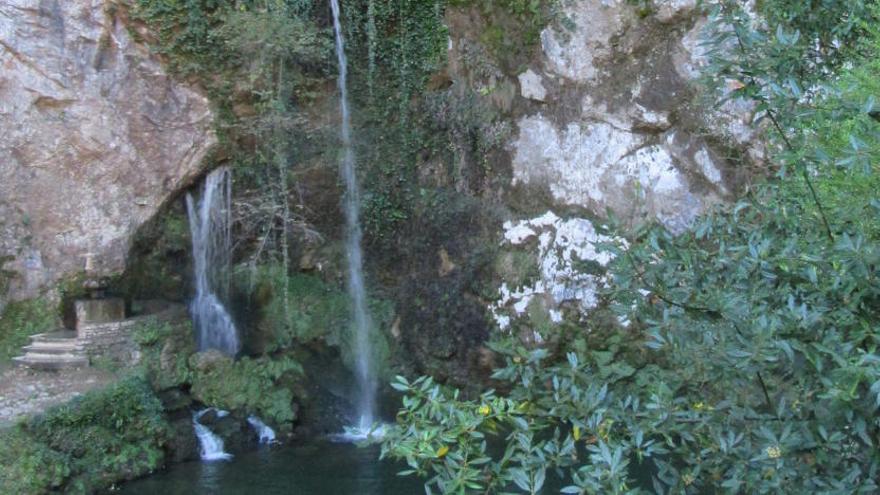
(612, 133)
(94, 137)
(607, 118)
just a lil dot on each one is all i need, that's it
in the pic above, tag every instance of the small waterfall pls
(365, 373)
(264, 432)
(210, 225)
(211, 444)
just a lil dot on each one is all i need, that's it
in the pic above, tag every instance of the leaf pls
(540, 476)
(868, 107)
(521, 479)
(795, 89)
(875, 389)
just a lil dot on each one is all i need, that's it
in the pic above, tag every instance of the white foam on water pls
(265, 433)
(211, 444)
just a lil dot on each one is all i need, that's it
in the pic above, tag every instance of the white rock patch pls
(598, 165)
(573, 54)
(571, 161)
(670, 10)
(561, 245)
(532, 86)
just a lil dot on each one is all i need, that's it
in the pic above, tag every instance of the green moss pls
(20, 320)
(311, 309)
(29, 466)
(261, 386)
(165, 351)
(518, 268)
(6, 276)
(103, 437)
(514, 26)
(159, 259)
(314, 310)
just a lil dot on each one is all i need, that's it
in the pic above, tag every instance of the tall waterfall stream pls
(365, 370)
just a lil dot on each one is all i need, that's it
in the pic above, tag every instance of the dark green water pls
(319, 468)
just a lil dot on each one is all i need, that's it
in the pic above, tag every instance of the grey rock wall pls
(94, 137)
(610, 131)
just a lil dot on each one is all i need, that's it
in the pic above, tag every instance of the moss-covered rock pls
(261, 386)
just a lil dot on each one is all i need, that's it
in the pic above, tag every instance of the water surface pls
(318, 468)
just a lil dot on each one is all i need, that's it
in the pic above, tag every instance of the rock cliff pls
(94, 137)
(605, 117)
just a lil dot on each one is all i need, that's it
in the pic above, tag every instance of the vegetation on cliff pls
(746, 356)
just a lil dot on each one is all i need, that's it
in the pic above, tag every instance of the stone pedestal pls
(94, 311)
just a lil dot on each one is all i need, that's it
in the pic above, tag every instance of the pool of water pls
(316, 468)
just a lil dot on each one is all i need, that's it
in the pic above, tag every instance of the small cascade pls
(367, 381)
(210, 225)
(356, 434)
(264, 432)
(211, 444)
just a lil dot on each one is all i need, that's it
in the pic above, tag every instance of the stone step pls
(61, 336)
(51, 361)
(62, 355)
(53, 347)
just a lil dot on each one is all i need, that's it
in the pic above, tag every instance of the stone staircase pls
(53, 351)
(102, 330)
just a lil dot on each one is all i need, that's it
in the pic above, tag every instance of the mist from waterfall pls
(364, 368)
(210, 226)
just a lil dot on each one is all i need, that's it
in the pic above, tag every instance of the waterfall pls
(264, 432)
(211, 444)
(210, 226)
(366, 376)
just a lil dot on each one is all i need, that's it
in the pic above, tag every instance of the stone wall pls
(115, 340)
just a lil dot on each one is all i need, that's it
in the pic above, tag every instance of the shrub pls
(103, 437)
(22, 319)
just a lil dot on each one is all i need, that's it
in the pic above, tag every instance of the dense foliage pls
(19, 320)
(99, 439)
(745, 359)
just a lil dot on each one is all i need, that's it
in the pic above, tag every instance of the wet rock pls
(174, 400)
(183, 444)
(237, 434)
